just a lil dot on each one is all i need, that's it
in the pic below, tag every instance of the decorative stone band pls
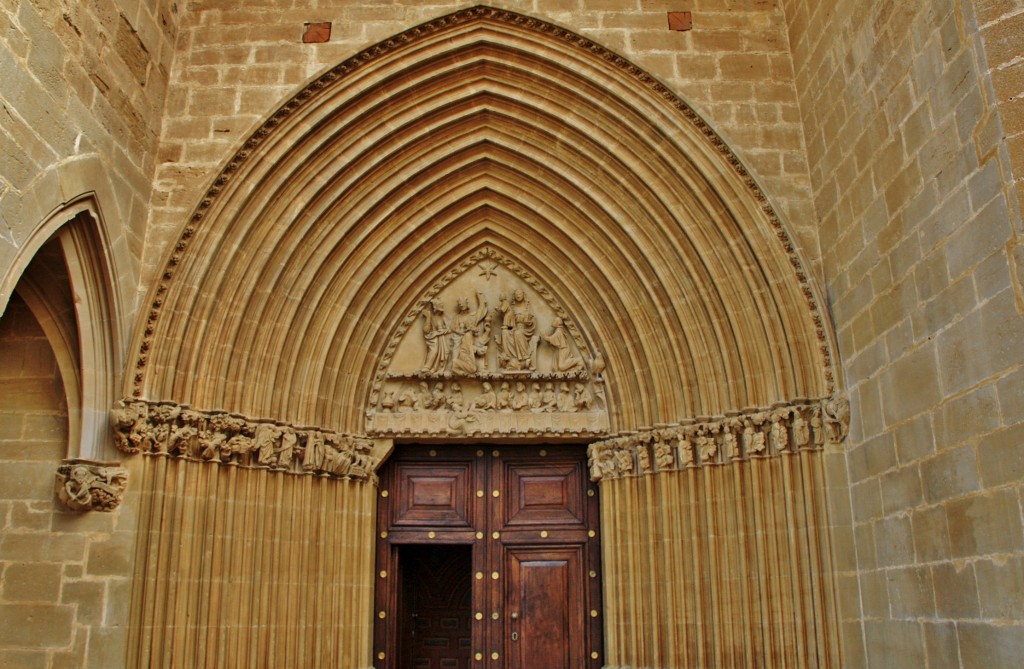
(742, 435)
(173, 430)
(85, 485)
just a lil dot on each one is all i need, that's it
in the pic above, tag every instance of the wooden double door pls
(488, 557)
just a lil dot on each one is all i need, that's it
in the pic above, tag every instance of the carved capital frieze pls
(85, 485)
(173, 430)
(488, 351)
(781, 429)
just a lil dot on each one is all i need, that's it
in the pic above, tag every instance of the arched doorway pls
(485, 162)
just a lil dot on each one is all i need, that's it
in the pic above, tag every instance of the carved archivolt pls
(488, 351)
(84, 485)
(173, 430)
(757, 433)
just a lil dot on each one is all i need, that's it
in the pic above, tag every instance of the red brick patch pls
(315, 33)
(680, 20)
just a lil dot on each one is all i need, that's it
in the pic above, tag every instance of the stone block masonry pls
(919, 210)
(64, 577)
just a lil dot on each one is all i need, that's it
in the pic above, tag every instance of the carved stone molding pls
(327, 81)
(173, 430)
(781, 429)
(86, 485)
(488, 351)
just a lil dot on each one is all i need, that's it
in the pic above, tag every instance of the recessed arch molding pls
(482, 129)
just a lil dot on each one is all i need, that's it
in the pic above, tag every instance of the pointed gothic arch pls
(483, 126)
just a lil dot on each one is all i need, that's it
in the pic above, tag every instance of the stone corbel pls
(86, 485)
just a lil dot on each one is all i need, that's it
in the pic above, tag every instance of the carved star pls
(488, 272)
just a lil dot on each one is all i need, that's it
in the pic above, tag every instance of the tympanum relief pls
(488, 351)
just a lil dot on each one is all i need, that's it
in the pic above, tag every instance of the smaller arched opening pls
(64, 293)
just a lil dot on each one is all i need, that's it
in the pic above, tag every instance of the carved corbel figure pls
(91, 486)
(837, 417)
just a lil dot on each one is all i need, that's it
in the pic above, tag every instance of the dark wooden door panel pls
(544, 493)
(545, 625)
(433, 495)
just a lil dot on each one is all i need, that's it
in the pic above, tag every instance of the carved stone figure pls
(407, 400)
(643, 459)
(164, 417)
(801, 431)
(536, 398)
(837, 418)
(707, 446)
(686, 451)
(548, 399)
(337, 457)
(265, 443)
(817, 431)
(314, 453)
(778, 434)
(623, 461)
(520, 399)
(131, 427)
(582, 398)
(517, 340)
(438, 400)
(285, 448)
(456, 402)
(504, 397)
(486, 400)
(91, 486)
(186, 438)
(471, 333)
(565, 359)
(663, 457)
(732, 448)
(565, 402)
(436, 334)
(753, 437)
(387, 402)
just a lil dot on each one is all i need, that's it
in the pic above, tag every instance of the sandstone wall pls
(64, 579)
(83, 97)
(913, 185)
